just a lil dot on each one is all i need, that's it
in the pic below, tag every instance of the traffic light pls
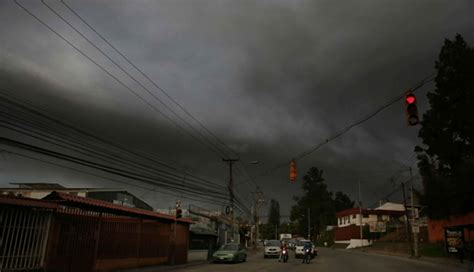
(411, 110)
(293, 171)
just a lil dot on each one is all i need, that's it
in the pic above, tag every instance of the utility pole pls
(258, 201)
(360, 215)
(406, 219)
(309, 224)
(414, 224)
(231, 195)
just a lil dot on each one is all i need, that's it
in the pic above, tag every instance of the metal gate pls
(24, 234)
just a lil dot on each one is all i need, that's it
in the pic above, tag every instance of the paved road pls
(330, 260)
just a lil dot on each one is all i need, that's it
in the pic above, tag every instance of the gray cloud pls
(270, 78)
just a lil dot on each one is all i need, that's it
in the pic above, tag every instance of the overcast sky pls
(271, 79)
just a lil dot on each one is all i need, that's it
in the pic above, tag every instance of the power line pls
(114, 180)
(64, 127)
(349, 127)
(115, 78)
(133, 78)
(81, 145)
(212, 147)
(102, 167)
(148, 78)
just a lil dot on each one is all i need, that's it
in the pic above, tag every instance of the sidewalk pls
(161, 268)
(445, 261)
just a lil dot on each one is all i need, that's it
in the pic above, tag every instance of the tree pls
(318, 200)
(274, 213)
(342, 202)
(446, 158)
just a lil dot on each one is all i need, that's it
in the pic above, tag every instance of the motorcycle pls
(284, 255)
(307, 256)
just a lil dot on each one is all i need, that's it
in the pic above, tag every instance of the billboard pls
(377, 226)
(453, 237)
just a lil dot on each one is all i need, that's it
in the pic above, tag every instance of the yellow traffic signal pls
(293, 171)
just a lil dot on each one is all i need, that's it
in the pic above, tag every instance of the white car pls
(299, 249)
(272, 249)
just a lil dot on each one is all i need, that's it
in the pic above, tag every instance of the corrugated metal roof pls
(26, 202)
(109, 207)
(352, 211)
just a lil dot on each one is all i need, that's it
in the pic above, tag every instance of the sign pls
(453, 237)
(415, 229)
(377, 226)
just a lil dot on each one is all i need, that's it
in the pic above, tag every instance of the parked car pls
(299, 253)
(230, 253)
(272, 249)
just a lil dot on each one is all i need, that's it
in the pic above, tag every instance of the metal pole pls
(360, 216)
(406, 218)
(415, 234)
(309, 222)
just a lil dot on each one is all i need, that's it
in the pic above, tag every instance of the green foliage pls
(342, 202)
(274, 213)
(320, 201)
(435, 250)
(446, 159)
(267, 231)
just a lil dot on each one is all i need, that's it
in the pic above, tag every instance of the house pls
(40, 190)
(349, 222)
(65, 232)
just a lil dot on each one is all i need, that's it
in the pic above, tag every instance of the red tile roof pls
(109, 207)
(26, 202)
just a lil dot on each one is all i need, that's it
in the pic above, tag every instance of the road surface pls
(330, 260)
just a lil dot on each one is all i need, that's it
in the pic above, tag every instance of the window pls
(353, 216)
(366, 216)
(379, 217)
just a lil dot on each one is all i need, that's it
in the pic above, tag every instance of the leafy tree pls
(342, 202)
(274, 213)
(318, 200)
(446, 159)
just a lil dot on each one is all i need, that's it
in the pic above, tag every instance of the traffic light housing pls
(293, 171)
(411, 109)
(179, 213)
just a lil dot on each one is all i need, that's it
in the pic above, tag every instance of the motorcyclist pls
(307, 248)
(283, 247)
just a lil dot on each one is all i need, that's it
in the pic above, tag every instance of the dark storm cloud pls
(271, 78)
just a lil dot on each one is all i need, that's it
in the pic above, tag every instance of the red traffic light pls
(411, 110)
(410, 99)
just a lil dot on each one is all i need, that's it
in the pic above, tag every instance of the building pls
(40, 190)
(349, 222)
(65, 232)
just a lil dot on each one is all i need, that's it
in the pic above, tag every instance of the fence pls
(24, 235)
(70, 233)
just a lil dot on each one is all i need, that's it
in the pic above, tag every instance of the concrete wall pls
(197, 255)
(436, 227)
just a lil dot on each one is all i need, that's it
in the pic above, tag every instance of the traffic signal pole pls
(413, 222)
(231, 194)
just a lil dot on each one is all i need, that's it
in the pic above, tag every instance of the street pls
(330, 260)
